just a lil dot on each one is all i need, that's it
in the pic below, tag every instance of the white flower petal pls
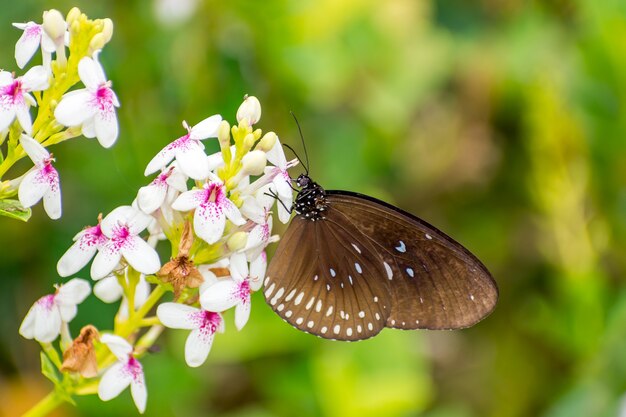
(151, 197)
(27, 328)
(276, 155)
(23, 116)
(35, 151)
(198, 346)
(68, 312)
(142, 291)
(206, 128)
(232, 212)
(242, 314)
(238, 266)
(105, 261)
(91, 73)
(258, 268)
(88, 128)
(188, 200)
(52, 199)
(76, 257)
(32, 188)
(74, 108)
(35, 79)
(117, 345)
(113, 382)
(163, 158)
(219, 296)
(47, 324)
(139, 392)
(7, 115)
(73, 292)
(209, 223)
(193, 162)
(108, 289)
(178, 316)
(28, 43)
(141, 256)
(106, 127)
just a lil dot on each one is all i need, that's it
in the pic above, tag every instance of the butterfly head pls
(311, 199)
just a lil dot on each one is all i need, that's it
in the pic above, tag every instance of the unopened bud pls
(254, 162)
(237, 241)
(248, 141)
(250, 110)
(97, 42)
(54, 24)
(223, 134)
(267, 142)
(73, 14)
(107, 29)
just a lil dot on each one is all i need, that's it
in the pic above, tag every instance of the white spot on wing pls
(359, 328)
(349, 331)
(350, 279)
(337, 329)
(358, 268)
(401, 247)
(310, 324)
(299, 320)
(318, 306)
(270, 290)
(377, 316)
(310, 303)
(389, 270)
(429, 237)
(298, 299)
(356, 248)
(290, 295)
(324, 330)
(410, 272)
(361, 314)
(281, 307)
(329, 311)
(471, 297)
(332, 272)
(370, 326)
(288, 313)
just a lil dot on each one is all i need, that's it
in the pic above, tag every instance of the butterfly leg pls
(273, 194)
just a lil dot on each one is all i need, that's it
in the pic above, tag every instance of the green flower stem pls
(45, 405)
(133, 323)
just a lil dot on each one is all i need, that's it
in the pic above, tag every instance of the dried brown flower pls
(81, 356)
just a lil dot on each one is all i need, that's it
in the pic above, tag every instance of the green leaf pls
(49, 370)
(15, 210)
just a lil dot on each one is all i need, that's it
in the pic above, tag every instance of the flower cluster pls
(215, 210)
(69, 55)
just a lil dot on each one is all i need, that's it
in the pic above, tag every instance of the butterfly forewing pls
(327, 281)
(434, 282)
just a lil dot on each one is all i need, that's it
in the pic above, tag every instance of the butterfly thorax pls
(311, 199)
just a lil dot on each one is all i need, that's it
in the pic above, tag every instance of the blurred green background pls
(503, 122)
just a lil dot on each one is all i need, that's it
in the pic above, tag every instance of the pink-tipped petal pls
(141, 256)
(47, 323)
(188, 200)
(162, 158)
(206, 128)
(198, 346)
(76, 257)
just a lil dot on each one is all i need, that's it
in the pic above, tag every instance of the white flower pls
(44, 319)
(202, 323)
(92, 107)
(234, 292)
(212, 208)
(126, 371)
(87, 242)
(29, 42)
(42, 181)
(122, 227)
(152, 196)
(249, 110)
(188, 150)
(14, 97)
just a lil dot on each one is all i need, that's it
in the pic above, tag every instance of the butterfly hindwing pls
(434, 282)
(326, 281)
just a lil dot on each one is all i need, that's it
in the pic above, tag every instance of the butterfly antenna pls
(306, 154)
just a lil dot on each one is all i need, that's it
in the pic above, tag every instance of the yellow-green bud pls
(107, 29)
(250, 110)
(223, 134)
(248, 141)
(267, 142)
(54, 24)
(254, 162)
(237, 241)
(97, 42)
(73, 14)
